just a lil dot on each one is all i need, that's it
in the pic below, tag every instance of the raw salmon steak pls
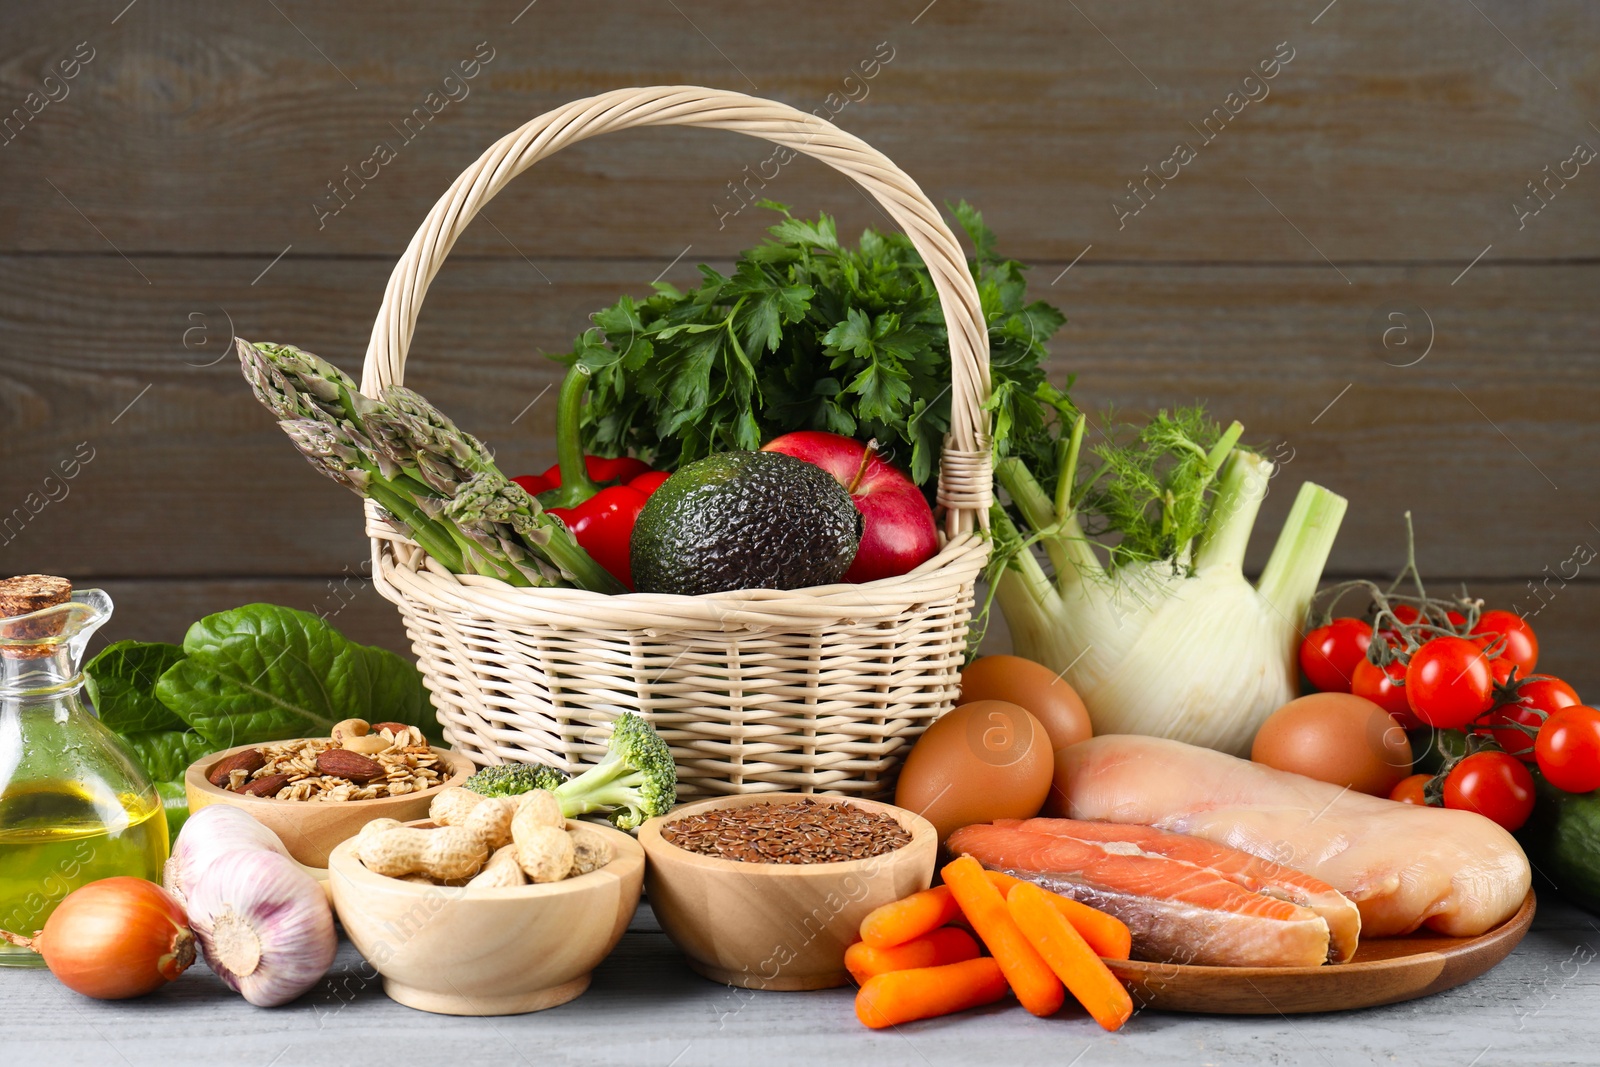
(1184, 900)
(1403, 865)
(1251, 872)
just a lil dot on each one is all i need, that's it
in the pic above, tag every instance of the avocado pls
(745, 520)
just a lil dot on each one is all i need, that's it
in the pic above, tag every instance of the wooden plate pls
(1385, 971)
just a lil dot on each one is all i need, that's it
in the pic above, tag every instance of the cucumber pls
(1562, 839)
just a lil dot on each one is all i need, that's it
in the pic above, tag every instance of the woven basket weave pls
(816, 689)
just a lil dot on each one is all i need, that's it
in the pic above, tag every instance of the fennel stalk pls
(1179, 646)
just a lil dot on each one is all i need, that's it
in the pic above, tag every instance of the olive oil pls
(55, 837)
(75, 805)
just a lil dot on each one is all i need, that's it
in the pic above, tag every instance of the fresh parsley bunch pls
(808, 334)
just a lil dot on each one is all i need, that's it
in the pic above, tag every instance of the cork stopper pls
(26, 593)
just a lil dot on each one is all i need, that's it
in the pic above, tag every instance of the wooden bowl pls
(777, 925)
(310, 831)
(487, 951)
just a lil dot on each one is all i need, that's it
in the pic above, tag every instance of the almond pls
(342, 763)
(398, 729)
(249, 761)
(265, 787)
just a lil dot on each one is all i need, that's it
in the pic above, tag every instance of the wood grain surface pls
(1395, 131)
(1537, 1007)
(175, 190)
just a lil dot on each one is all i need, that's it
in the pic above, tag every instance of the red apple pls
(898, 531)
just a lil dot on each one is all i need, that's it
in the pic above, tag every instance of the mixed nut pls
(483, 843)
(360, 761)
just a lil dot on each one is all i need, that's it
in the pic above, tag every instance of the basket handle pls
(965, 475)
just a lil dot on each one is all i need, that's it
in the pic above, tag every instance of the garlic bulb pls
(264, 925)
(210, 832)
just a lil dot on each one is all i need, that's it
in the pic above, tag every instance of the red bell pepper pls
(602, 470)
(603, 524)
(600, 516)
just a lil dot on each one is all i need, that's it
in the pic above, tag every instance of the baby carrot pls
(1069, 956)
(1031, 979)
(945, 945)
(1106, 934)
(923, 992)
(909, 918)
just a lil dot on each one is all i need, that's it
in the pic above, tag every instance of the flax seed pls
(796, 831)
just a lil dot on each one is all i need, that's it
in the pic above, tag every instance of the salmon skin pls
(1178, 911)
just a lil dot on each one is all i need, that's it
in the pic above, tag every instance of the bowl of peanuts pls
(490, 906)
(318, 791)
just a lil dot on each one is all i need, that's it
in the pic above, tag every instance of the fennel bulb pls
(1180, 646)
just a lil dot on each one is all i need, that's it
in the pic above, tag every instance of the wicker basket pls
(810, 690)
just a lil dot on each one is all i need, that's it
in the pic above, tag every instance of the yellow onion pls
(115, 938)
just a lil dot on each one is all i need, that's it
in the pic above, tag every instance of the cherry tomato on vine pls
(1534, 700)
(1519, 644)
(1546, 690)
(1449, 683)
(1446, 618)
(1405, 615)
(1329, 654)
(1385, 688)
(1411, 790)
(1494, 785)
(1568, 749)
(1503, 727)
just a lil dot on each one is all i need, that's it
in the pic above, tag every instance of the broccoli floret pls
(510, 779)
(637, 778)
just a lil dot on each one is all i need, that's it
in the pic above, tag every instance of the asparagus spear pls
(436, 480)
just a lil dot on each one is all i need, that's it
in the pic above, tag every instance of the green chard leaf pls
(123, 678)
(175, 799)
(263, 672)
(166, 754)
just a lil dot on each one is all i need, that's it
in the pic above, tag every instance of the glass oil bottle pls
(74, 806)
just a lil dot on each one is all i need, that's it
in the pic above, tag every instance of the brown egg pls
(982, 761)
(1045, 694)
(1338, 738)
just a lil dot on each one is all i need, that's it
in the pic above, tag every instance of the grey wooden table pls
(647, 1009)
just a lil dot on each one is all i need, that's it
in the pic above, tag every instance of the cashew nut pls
(346, 729)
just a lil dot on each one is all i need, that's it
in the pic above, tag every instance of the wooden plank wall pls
(193, 177)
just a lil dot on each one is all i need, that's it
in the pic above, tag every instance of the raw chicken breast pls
(1404, 866)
